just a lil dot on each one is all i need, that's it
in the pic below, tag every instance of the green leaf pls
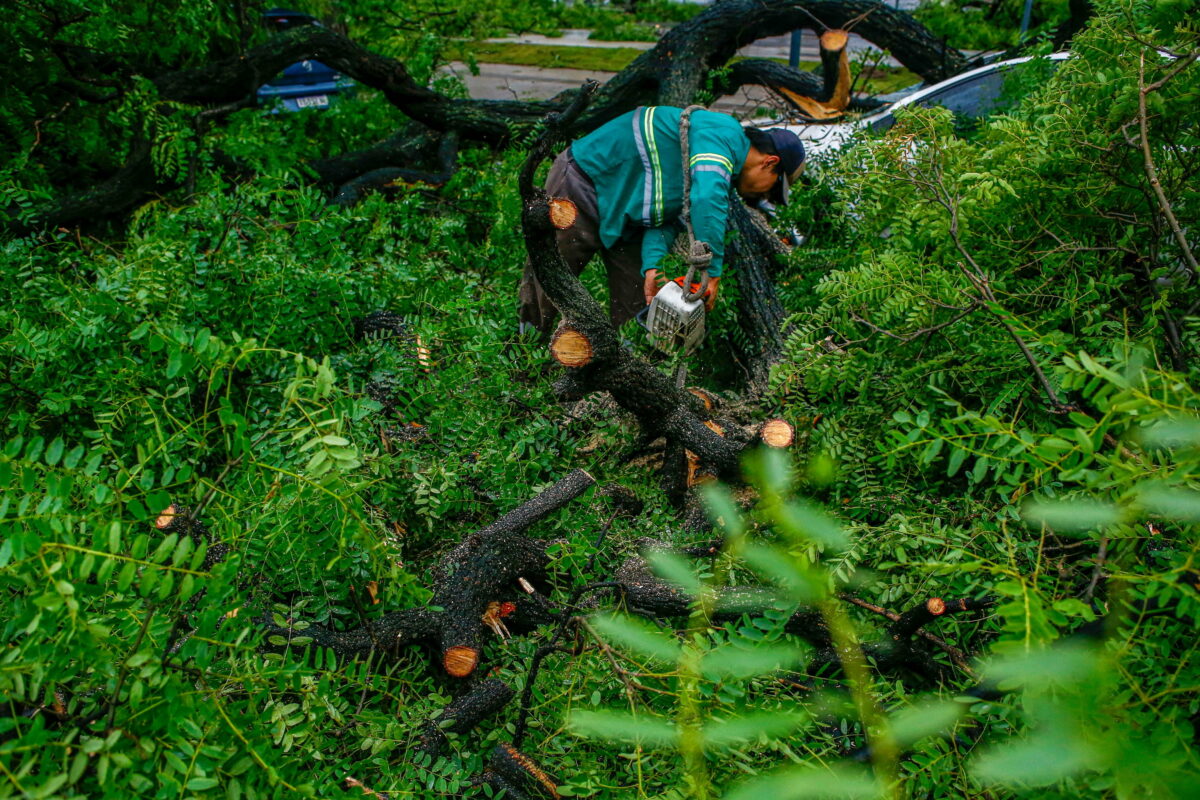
(1180, 505)
(805, 523)
(722, 509)
(737, 730)
(54, 451)
(1071, 516)
(803, 586)
(914, 723)
(676, 570)
(957, 456)
(1046, 757)
(731, 661)
(200, 784)
(74, 457)
(638, 637)
(808, 783)
(49, 787)
(1065, 663)
(1172, 434)
(618, 726)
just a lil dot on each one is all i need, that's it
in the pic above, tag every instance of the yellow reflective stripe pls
(717, 157)
(652, 146)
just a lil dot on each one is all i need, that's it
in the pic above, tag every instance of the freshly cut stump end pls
(835, 40)
(167, 516)
(570, 347)
(563, 213)
(936, 606)
(460, 661)
(777, 433)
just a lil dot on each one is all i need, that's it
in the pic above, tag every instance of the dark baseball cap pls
(790, 150)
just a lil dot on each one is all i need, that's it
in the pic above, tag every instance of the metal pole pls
(1025, 18)
(794, 53)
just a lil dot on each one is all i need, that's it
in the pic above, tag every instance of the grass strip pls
(614, 59)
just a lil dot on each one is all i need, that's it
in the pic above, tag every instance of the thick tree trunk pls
(760, 313)
(410, 143)
(834, 97)
(1080, 12)
(675, 69)
(128, 188)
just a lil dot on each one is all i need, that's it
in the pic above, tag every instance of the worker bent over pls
(627, 180)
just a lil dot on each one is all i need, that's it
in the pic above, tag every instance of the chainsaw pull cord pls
(698, 253)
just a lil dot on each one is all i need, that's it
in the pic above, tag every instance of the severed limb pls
(483, 577)
(485, 568)
(462, 715)
(517, 770)
(924, 613)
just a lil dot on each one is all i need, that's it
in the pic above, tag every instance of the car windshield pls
(973, 98)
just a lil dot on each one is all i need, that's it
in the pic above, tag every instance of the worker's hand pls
(652, 283)
(710, 296)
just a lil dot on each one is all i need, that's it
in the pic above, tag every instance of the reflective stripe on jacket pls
(634, 163)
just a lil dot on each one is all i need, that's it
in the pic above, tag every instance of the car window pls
(974, 98)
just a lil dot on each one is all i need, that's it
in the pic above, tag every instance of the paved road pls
(508, 82)
(512, 82)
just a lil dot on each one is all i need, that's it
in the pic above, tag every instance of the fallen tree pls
(671, 73)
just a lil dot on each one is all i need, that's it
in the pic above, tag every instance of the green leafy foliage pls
(203, 352)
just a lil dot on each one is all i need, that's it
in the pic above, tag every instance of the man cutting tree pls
(627, 181)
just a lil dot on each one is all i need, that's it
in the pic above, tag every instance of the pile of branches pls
(495, 584)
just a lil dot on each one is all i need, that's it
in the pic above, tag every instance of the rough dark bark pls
(924, 613)
(670, 73)
(485, 567)
(764, 72)
(519, 774)
(180, 520)
(673, 71)
(462, 715)
(834, 64)
(388, 634)
(384, 178)
(410, 143)
(646, 593)
(481, 571)
(232, 79)
(129, 187)
(760, 313)
(1080, 12)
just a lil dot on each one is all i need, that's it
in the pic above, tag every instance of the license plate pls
(314, 101)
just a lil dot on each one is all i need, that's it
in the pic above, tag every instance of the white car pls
(972, 94)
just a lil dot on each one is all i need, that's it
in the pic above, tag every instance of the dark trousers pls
(577, 245)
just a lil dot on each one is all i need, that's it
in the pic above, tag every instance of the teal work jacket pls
(634, 162)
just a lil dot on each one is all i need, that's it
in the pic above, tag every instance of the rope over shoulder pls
(699, 254)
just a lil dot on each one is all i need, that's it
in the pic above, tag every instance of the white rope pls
(699, 254)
